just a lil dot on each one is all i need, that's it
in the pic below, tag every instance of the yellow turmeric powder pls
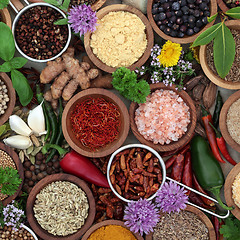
(112, 232)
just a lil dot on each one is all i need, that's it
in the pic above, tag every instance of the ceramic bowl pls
(30, 231)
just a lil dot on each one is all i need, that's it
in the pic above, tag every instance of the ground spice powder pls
(112, 232)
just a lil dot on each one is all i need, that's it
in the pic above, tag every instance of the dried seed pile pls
(4, 98)
(234, 73)
(135, 173)
(5, 161)
(61, 208)
(233, 121)
(235, 190)
(36, 34)
(183, 225)
(78, 2)
(8, 234)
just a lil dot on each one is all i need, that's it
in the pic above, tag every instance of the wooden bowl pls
(223, 121)
(12, 98)
(43, 183)
(173, 145)
(106, 223)
(67, 127)
(5, 16)
(149, 33)
(202, 216)
(222, 5)
(19, 167)
(228, 190)
(232, 24)
(185, 39)
(95, 6)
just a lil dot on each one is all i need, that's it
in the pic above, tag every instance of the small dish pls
(106, 223)
(232, 24)
(67, 127)
(149, 33)
(185, 39)
(43, 183)
(202, 216)
(228, 190)
(30, 231)
(12, 98)
(130, 146)
(223, 121)
(5, 16)
(173, 145)
(19, 167)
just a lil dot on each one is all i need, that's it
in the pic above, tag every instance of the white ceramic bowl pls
(31, 231)
(135, 146)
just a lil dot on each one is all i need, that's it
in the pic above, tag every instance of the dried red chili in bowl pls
(135, 171)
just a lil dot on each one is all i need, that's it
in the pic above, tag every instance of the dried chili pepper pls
(222, 146)
(194, 198)
(216, 225)
(170, 161)
(217, 110)
(207, 118)
(187, 177)
(177, 169)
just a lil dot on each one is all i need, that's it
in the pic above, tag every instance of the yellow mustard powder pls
(119, 39)
(112, 232)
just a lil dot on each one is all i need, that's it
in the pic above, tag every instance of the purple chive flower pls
(82, 19)
(171, 198)
(141, 216)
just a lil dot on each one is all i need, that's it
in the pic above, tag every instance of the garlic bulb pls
(19, 126)
(36, 120)
(18, 141)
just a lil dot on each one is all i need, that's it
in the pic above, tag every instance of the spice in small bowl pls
(4, 98)
(135, 171)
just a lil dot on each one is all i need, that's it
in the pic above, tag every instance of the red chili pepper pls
(194, 198)
(184, 149)
(82, 167)
(177, 169)
(222, 146)
(216, 225)
(170, 161)
(187, 178)
(207, 118)
(198, 187)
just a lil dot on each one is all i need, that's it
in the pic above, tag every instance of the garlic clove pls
(19, 126)
(36, 120)
(18, 141)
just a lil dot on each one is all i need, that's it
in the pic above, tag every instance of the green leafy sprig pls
(223, 42)
(125, 81)
(231, 229)
(4, 4)
(9, 180)
(7, 51)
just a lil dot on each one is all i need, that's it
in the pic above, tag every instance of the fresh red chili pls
(82, 167)
(187, 177)
(177, 169)
(216, 225)
(207, 118)
(222, 146)
(96, 122)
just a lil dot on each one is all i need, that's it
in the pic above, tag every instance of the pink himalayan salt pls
(163, 118)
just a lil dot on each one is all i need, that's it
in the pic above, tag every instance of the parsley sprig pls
(231, 229)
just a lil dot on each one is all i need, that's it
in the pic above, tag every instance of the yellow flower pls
(170, 54)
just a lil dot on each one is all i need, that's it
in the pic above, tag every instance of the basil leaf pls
(224, 51)
(53, 2)
(5, 67)
(207, 36)
(7, 43)
(62, 21)
(66, 4)
(234, 12)
(210, 19)
(21, 85)
(4, 3)
(18, 62)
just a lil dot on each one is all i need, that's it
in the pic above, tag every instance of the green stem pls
(216, 193)
(60, 150)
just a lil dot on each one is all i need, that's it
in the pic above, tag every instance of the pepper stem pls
(218, 134)
(216, 193)
(60, 150)
(204, 111)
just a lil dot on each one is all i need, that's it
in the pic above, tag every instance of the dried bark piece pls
(198, 92)
(209, 95)
(193, 82)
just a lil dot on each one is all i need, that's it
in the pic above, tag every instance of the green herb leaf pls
(53, 2)
(21, 85)
(213, 17)
(18, 62)
(4, 4)
(66, 4)
(207, 36)
(231, 229)
(5, 67)
(4, 128)
(62, 21)
(9, 180)
(234, 12)
(7, 44)
(223, 51)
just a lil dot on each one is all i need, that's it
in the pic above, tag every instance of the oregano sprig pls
(4, 4)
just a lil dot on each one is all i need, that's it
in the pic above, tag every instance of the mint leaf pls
(62, 21)
(18, 62)
(66, 4)
(5, 67)
(234, 12)
(4, 3)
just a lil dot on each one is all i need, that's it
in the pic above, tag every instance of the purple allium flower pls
(82, 19)
(171, 198)
(141, 216)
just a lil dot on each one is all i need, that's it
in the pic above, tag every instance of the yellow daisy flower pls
(170, 54)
